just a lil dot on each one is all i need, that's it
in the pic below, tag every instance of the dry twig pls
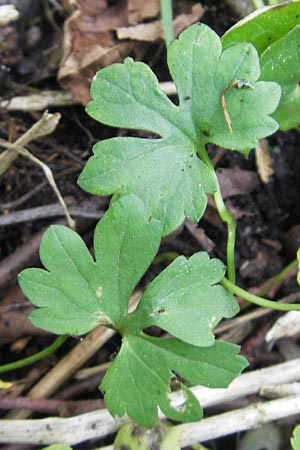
(24, 152)
(46, 125)
(98, 424)
(40, 212)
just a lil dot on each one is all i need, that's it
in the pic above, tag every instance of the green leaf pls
(169, 178)
(76, 293)
(295, 440)
(264, 26)
(202, 73)
(288, 112)
(139, 379)
(281, 60)
(281, 63)
(166, 172)
(185, 300)
(275, 33)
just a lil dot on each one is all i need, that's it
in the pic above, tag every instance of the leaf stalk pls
(224, 214)
(167, 18)
(36, 357)
(260, 301)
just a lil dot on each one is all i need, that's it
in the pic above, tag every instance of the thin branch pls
(38, 102)
(24, 152)
(236, 421)
(98, 424)
(239, 420)
(46, 125)
(62, 408)
(52, 210)
(50, 99)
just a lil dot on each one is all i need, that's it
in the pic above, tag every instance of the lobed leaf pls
(202, 74)
(274, 31)
(138, 381)
(281, 63)
(295, 439)
(185, 300)
(76, 293)
(167, 175)
(264, 26)
(166, 172)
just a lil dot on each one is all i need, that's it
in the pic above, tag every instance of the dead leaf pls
(199, 234)
(237, 213)
(186, 19)
(236, 181)
(148, 32)
(90, 44)
(139, 10)
(153, 32)
(233, 181)
(10, 51)
(14, 310)
(90, 41)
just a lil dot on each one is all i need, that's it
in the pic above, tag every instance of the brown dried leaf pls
(14, 310)
(139, 10)
(237, 213)
(90, 44)
(147, 32)
(236, 181)
(232, 182)
(152, 32)
(10, 52)
(199, 234)
(184, 20)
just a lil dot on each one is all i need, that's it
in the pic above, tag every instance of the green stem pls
(265, 303)
(36, 357)
(167, 18)
(225, 216)
(165, 256)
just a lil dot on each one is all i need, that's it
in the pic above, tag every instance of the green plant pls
(90, 293)
(156, 183)
(295, 439)
(275, 33)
